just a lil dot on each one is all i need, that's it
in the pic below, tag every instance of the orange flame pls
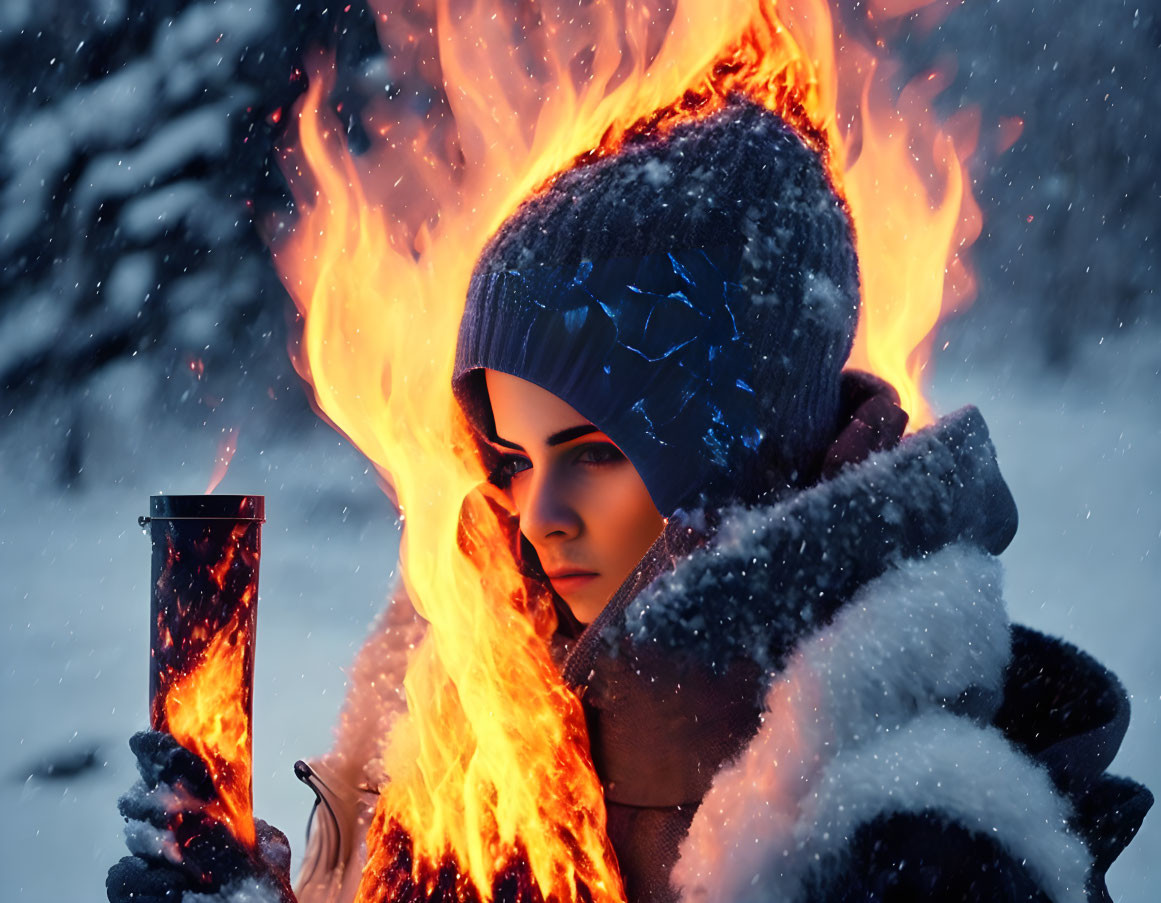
(205, 714)
(492, 757)
(911, 249)
(226, 450)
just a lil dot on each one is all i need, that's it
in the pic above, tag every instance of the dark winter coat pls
(822, 699)
(818, 699)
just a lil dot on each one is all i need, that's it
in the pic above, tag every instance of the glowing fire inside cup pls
(201, 650)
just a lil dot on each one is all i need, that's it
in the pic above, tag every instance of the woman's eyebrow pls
(558, 438)
(573, 432)
(496, 440)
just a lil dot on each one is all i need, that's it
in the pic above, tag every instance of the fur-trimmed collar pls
(861, 722)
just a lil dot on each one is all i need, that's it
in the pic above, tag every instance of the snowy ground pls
(1082, 454)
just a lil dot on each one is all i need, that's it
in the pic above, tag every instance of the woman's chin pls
(586, 597)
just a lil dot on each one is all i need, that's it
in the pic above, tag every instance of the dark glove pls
(177, 847)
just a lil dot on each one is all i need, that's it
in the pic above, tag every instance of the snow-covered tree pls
(136, 156)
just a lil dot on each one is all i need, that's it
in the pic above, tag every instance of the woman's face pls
(581, 504)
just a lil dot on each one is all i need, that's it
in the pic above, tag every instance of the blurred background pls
(142, 325)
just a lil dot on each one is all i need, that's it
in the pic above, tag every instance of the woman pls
(694, 299)
(784, 620)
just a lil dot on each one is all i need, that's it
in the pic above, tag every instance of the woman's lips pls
(572, 580)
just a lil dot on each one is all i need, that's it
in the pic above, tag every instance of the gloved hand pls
(178, 848)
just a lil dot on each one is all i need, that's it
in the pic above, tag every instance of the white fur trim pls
(374, 700)
(919, 635)
(375, 692)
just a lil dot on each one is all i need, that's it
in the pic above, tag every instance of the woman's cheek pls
(637, 522)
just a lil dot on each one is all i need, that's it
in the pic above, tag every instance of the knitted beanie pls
(694, 296)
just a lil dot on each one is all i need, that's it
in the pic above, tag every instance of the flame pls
(490, 764)
(202, 683)
(205, 714)
(226, 450)
(911, 250)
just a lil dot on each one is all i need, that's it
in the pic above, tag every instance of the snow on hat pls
(694, 296)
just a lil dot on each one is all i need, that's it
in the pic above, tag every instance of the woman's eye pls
(509, 466)
(599, 453)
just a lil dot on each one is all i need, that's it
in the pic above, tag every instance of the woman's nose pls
(547, 512)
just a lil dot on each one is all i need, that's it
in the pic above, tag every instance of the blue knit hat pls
(694, 296)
